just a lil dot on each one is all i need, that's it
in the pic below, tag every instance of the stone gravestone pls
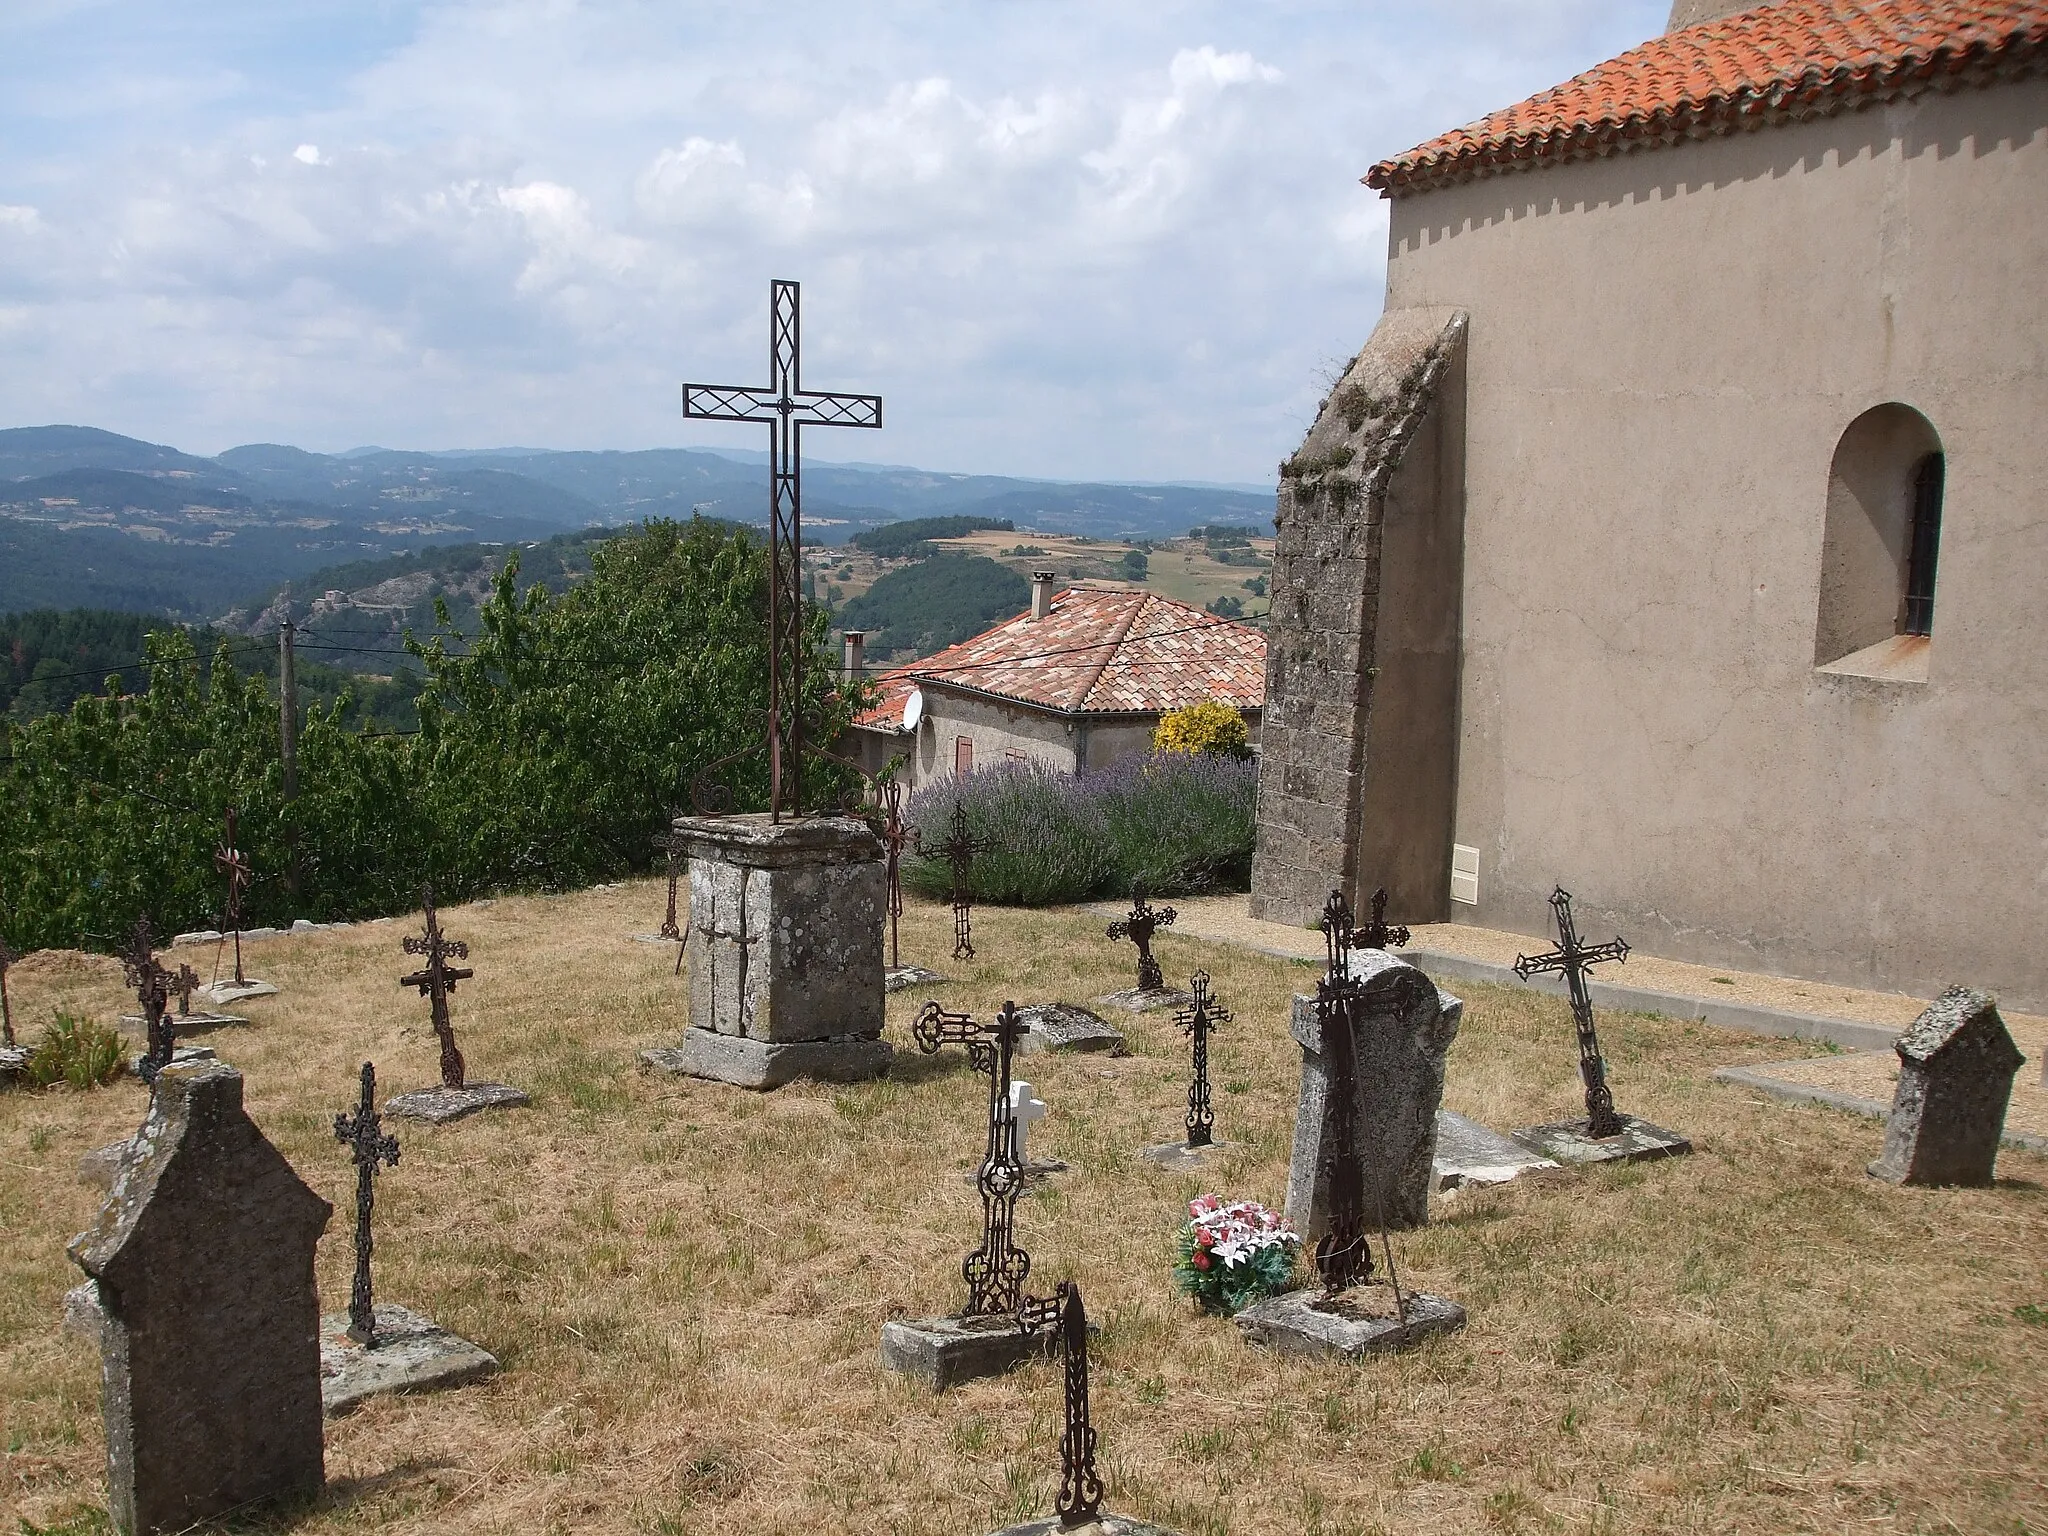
(202, 1260)
(1405, 1033)
(784, 946)
(1956, 1069)
(1067, 1027)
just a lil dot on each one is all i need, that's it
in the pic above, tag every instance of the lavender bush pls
(1177, 823)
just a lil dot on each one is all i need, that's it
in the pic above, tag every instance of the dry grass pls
(686, 1281)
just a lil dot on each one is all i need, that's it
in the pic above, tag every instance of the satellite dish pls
(913, 709)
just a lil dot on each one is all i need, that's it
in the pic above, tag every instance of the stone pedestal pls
(224, 994)
(942, 1352)
(1956, 1068)
(906, 976)
(1638, 1141)
(1359, 1323)
(1405, 1029)
(441, 1104)
(1064, 1027)
(1468, 1154)
(1145, 999)
(411, 1354)
(784, 944)
(200, 1023)
(1179, 1157)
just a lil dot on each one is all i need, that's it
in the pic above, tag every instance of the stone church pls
(1680, 535)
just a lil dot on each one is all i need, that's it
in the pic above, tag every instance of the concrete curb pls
(1760, 1079)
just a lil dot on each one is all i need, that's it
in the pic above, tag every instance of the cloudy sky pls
(1112, 238)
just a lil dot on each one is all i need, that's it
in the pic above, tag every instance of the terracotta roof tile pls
(1778, 63)
(1097, 652)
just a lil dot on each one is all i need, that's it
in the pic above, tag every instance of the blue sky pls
(1101, 239)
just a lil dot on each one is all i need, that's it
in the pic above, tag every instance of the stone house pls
(1681, 531)
(1076, 682)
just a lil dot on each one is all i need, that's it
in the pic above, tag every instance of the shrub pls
(78, 1051)
(1229, 1256)
(1210, 726)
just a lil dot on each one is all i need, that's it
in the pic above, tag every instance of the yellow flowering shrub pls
(1209, 726)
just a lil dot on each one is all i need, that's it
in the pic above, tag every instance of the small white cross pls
(1024, 1109)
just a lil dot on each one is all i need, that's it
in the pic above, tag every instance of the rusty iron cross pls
(234, 864)
(184, 982)
(1376, 934)
(995, 1271)
(896, 835)
(1196, 1020)
(672, 843)
(1572, 957)
(436, 980)
(1080, 1497)
(1139, 927)
(958, 850)
(363, 1134)
(1344, 1252)
(152, 984)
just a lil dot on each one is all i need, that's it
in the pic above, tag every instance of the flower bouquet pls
(1229, 1256)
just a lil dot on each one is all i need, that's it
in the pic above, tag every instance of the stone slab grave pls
(904, 977)
(1102, 1525)
(225, 994)
(201, 1263)
(202, 1022)
(412, 1354)
(1067, 1027)
(442, 1105)
(784, 945)
(1179, 1157)
(944, 1352)
(1638, 1141)
(1468, 1154)
(1956, 1068)
(1146, 999)
(1357, 1323)
(457, 1094)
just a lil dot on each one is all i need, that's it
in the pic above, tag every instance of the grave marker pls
(7, 958)
(1138, 927)
(456, 1096)
(152, 984)
(202, 1264)
(959, 850)
(369, 1147)
(1956, 1069)
(239, 874)
(1604, 1135)
(1200, 1016)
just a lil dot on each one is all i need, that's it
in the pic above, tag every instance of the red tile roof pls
(1779, 63)
(1097, 652)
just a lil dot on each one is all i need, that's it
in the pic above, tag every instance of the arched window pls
(1880, 546)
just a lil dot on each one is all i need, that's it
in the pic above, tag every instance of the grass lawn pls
(686, 1281)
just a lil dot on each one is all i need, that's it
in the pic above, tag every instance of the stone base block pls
(1145, 999)
(942, 1352)
(1179, 1157)
(223, 994)
(440, 1104)
(1468, 1153)
(1064, 1027)
(905, 976)
(1639, 1141)
(411, 1355)
(771, 1063)
(13, 1061)
(1102, 1525)
(199, 1023)
(1359, 1323)
(181, 1055)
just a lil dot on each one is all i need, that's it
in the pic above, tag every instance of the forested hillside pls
(920, 608)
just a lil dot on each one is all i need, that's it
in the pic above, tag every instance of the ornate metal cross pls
(1196, 1020)
(895, 833)
(995, 1271)
(1080, 1500)
(787, 408)
(1139, 927)
(152, 984)
(1376, 934)
(1571, 957)
(959, 850)
(184, 982)
(436, 980)
(363, 1134)
(1344, 1252)
(7, 958)
(229, 859)
(668, 841)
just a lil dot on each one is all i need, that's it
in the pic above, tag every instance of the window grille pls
(1926, 545)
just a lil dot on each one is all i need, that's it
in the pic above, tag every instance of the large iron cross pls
(152, 984)
(234, 864)
(363, 1134)
(895, 834)
(787, 408)
(1571, 957)
(1080, 1498)
(995, 1271)
(1196, 1020)
(1139, 927)
(959, 850)
(436, 980)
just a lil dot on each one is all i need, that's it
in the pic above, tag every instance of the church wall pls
(1665, 350)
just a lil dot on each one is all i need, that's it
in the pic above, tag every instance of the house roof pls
(1778, 63)
(1096, 652)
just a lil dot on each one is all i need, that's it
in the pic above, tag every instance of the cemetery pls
(683, 1283)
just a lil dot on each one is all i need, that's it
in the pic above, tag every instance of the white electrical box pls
(1465, 874)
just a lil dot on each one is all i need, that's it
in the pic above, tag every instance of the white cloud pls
(308, 154)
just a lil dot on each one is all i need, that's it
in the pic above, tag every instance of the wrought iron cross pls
(184, 982)
(895, 833)
(787, 408)
(152, 984)
(672, 843)
(436, 980)
(1196, 1020)
(1080, 1500)
(7, 958)
(995, 1271)
(1139, 927)
(1344, 1252)
(363, 1134)
(1376, 934)
(1571, 957)
(959, 850)
(229, 859)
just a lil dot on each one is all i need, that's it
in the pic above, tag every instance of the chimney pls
(1041, 593)
(856, 644)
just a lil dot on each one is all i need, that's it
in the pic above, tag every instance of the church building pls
(1680, 535)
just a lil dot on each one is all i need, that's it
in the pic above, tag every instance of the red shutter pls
(963, 755)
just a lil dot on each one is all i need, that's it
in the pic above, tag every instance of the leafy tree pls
(1209, 726)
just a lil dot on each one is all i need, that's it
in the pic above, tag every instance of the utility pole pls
(288, 743)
